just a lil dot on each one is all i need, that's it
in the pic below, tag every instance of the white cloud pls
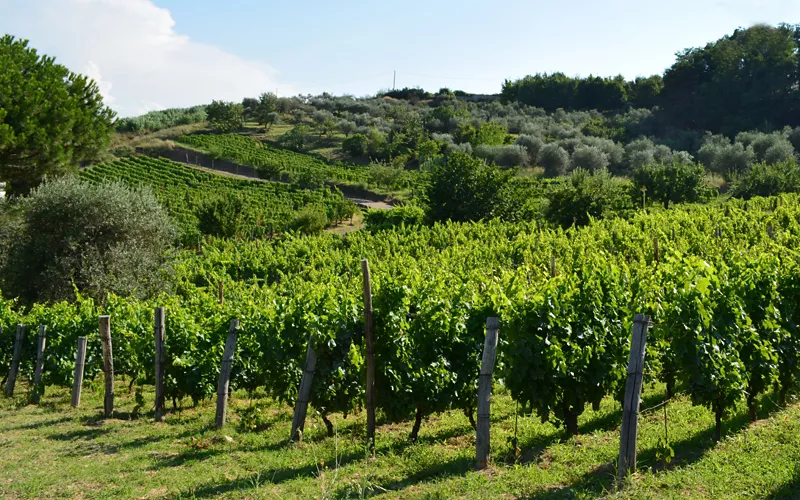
(132, 46)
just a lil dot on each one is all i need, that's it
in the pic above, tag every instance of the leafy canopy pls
(50, 118)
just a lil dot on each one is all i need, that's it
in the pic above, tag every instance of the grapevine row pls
(723, 290)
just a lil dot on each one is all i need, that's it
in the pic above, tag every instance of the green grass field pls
(53, 451)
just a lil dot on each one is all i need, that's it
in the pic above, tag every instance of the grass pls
(53, 451)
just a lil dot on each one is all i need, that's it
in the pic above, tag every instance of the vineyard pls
(295, 167)
(206, 203)
(721, 283)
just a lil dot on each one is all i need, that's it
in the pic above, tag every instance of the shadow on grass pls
(39, 425)
(789, 490)
(692, 449)
(85, 434)
(593, 484)
(268, 476)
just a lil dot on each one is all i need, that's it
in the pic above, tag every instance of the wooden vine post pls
(221, 293)
(225, 374)
(370, 391)
(633, 391)
(304, 394)
(14, 369)
(160, 359)
(485, 393)
(77, 384)
(108, 365)
(553, 266)
(36, 394)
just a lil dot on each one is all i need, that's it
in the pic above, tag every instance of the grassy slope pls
(54, 451)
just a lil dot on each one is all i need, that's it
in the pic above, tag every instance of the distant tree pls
(346, 127)
(323, 121)
(553, 159)
(507, 155)
(490, 133)
(589, 158)
(768, 180)
(532, 146)
(296, 138)
(779, 152)
(271, 119)
(356, 145)
(464, 188)
(249, 105)
(266, 106)
(645, 92)
(50, 119)
(225, 116)
(739, 82)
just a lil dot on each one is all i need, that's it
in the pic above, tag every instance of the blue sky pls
(151, 54)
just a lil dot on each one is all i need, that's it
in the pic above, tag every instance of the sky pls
(154, 54)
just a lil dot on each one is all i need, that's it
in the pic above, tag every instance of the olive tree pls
(553, 159)
(75, 237)
(50, 118)
(589, 158)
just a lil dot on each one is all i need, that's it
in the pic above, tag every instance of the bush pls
(75, 237)
(586, 195)
(309, 220)
(464, 188)
(589, 158)
(673, 182)
(356, 145)
(503, 156)
(554, 160)
(221, 216)
(225, 116)
(295, 139)
(405, 215)
(768, 180)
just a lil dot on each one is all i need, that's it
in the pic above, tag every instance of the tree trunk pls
(417, 423)
(471, 417)
(670, 386)
(752, 407)
(718, 427)
(570, 419)
(328, 424)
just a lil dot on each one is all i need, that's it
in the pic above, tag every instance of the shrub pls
(554, 160)
(491, 133)
(221, 216)
(586, 195)
(295, 139)
(309, 220)
(768, 180)
(464, 188)
(673, 182)
(356, 145)
(225, 116)
(589, 158)
(75, 237)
